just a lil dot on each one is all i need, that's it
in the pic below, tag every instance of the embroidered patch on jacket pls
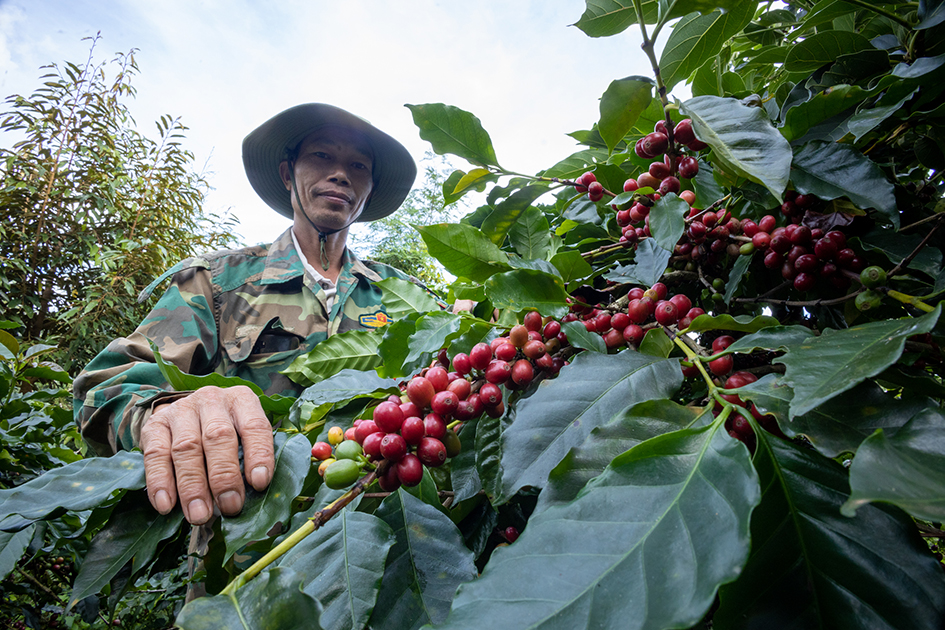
(375, 320)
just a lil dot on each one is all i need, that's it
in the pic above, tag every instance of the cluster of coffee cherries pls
(419, 427)
(804, 255)
(709, 235)
(737, 425)
(646, 308)
(662, 174)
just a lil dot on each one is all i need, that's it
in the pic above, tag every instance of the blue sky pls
(225, 66)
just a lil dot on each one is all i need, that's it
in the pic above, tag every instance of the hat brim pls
(394, 170)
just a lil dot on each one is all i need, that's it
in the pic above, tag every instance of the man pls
(249, 313)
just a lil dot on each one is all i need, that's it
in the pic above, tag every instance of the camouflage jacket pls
(245, 313)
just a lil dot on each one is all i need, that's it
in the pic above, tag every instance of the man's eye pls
(322, 155)
(361, 165)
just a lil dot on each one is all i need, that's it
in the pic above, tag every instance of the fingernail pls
(260, 477)
(229, 502)
(162, 501)
(198, 511)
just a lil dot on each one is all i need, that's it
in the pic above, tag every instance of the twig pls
(838, 300)
(905, 261)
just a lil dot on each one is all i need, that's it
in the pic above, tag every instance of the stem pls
(317, 520)
(650, 52)
(696, 360)
(905, 261)
(909, 299)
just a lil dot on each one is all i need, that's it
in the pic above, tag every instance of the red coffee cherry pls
(480, 355)
(522, 372)
(412, 430)
(462, 364)
(722, 365)
(721, 343)
(660, 170)
(666, 313)
(669, 185)
(366, 428)
(372, 445)
(438, 377)
(688, 167)
(433, 426)
(420, 391)
(393, 447)
(498, 372)
(613, 338)
(633, 334)
(389, 481)
(444, 403)
(490, 395)
(321, 450)
(511, 534)
(409, 470)
(431, 452)
(682, 302)
(655, 143)
(461, 387)
(682, 132)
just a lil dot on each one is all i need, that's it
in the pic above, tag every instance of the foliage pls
(38, 560)
(393, 241)
(806, 492)
(94, 209)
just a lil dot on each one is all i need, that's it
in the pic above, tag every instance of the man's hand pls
(195, 440)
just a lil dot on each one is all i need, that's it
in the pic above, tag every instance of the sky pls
(226, 66)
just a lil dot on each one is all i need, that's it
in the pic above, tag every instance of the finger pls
(158, 466)
(221, 450)
(256, 434)
(188, 457)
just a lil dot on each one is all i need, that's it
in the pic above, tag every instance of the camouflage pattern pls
(245, 313)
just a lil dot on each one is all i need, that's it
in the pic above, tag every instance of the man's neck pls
(309, 242)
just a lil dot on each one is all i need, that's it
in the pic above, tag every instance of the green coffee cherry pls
(452, 444)
(349, 449)
(873, 277)
(868, 300)
(341, 474)
(718, 284)
(746, 249)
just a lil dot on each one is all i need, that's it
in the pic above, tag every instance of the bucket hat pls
(265, 147)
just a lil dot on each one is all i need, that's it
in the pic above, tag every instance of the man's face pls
(333, 175)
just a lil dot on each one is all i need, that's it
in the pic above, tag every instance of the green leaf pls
(450, 185)
(604, 18)
(621, 106)
(505, 215)
(272, 600)
(735, 277)
(530, 235)
(12, 547)
(402, 297)
(769, 395)
(464, 251)
(577, 164)
(697, 38)
(906, 469)
(830, 170)
(649, 266)
(341, 565)
(668, 220)
(564, 410)
(842, 423)
(771, 338)
(427, 562)
(740, 323)
(489, 452)
(9, 342)
(625, 430)
(346, 385)
(743, 140)
(928, 260)
(931, 13)
(864, 121)
(262, 510)
(821, 107)
(571, 265)
(394, 347)
(811, 567)
(526, 289)
(660, 530)
(580, 337)
(464, 478)
(818, 370)
(355, 350)
(656, 343)
(432, 333)
(476, 179)
(78, 486)
(132, 534)
(822, 48)
(451, 130)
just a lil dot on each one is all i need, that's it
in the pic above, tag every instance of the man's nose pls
(339, 175)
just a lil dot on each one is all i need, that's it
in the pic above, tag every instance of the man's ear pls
(285, 174)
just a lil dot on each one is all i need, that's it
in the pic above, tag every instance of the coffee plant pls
(701, 386)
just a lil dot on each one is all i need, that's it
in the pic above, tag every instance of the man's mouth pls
(333, 195)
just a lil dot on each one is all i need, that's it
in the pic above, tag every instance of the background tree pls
(394, 242)
(93, 209)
